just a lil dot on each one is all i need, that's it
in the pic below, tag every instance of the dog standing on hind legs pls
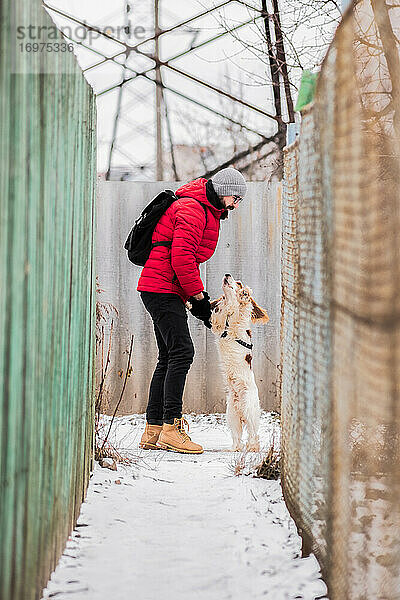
(231, 321)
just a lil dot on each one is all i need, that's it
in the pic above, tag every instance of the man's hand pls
(201, 308)
(207, 323)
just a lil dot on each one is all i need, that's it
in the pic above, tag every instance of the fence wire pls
(340, 311)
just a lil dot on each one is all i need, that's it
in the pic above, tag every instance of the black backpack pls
(139, 244)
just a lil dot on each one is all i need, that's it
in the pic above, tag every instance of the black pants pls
(175, 355)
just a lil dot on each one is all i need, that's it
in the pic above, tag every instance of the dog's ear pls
(258, 314)
(214, 303)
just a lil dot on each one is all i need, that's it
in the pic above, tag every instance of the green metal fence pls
(47, 179)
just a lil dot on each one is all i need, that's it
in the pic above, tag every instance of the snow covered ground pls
(174, 527)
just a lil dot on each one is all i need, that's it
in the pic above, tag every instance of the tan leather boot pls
(174, 437)
(150, 437)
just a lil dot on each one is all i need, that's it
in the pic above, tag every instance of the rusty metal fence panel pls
(47, 179)
(340, 311)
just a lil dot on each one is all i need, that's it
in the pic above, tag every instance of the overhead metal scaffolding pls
(153, 73)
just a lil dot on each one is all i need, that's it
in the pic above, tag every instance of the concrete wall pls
(248, 248)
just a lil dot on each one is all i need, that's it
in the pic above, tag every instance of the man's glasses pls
(237, 199)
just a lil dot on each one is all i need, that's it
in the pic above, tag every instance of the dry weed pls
(264, 464)
(270, 466)
(103, 447)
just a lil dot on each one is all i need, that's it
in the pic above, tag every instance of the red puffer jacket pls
(194, 239)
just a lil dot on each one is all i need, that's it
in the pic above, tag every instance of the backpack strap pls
(166, 243)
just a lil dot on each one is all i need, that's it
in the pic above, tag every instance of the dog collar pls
(241, 342)
(245, 344)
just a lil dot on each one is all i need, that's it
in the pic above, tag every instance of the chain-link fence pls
(340, 311)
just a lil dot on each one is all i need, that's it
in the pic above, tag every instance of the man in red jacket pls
(169, 278)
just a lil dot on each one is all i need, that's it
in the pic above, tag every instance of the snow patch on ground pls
(180, 527)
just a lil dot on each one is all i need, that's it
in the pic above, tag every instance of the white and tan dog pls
(231, 320)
